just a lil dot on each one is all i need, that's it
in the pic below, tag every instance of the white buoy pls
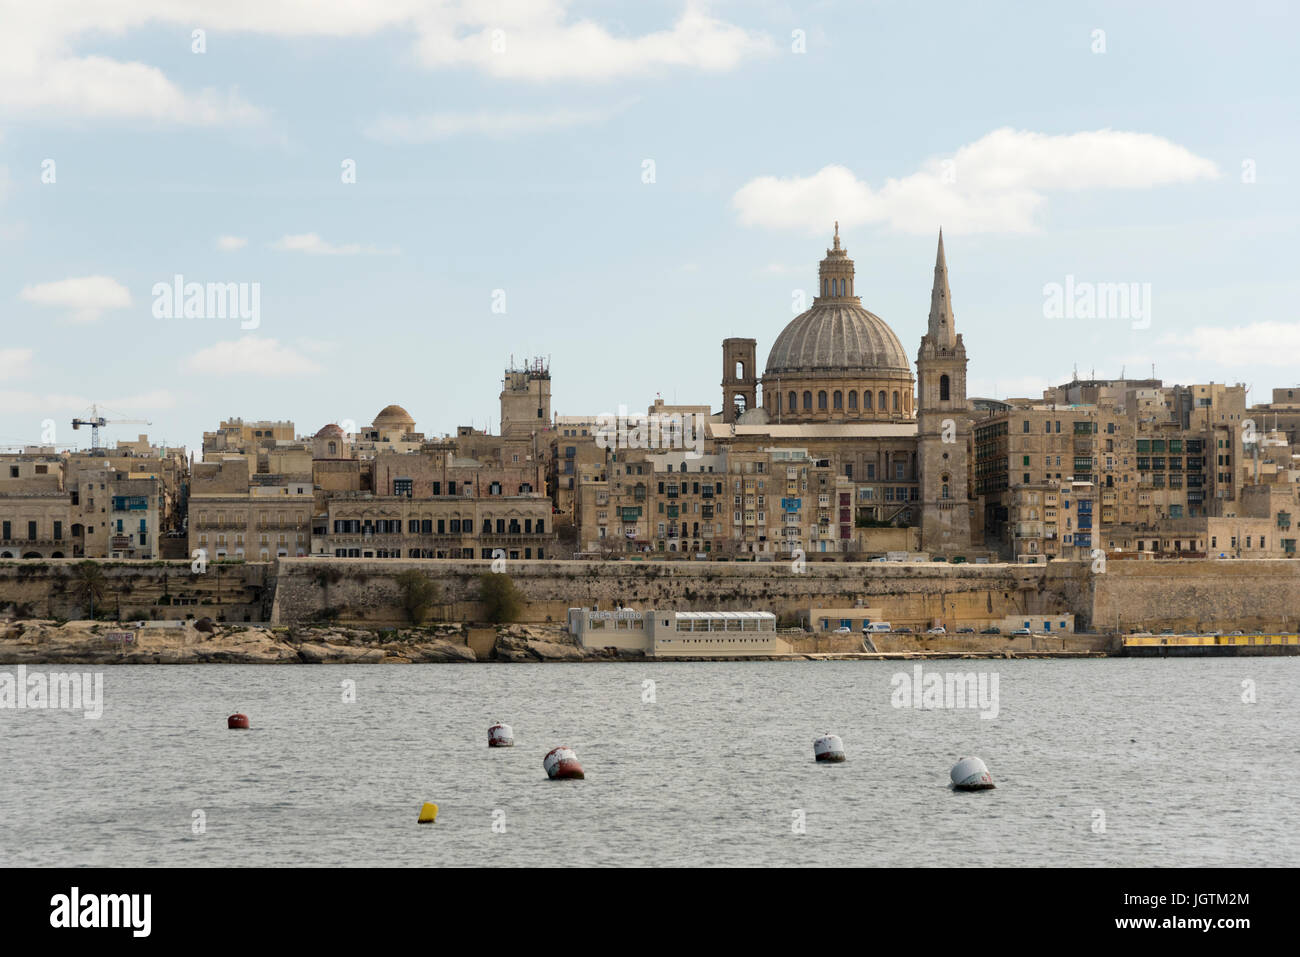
(970, 774)
(561, 762)
(501, 736)
(828, 747)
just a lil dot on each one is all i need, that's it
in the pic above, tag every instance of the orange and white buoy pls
(238, 721)
(561, 762)
(828, 747)
(501, 736)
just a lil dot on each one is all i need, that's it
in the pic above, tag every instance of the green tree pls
(419, 595)
(88, 584)
(501, 599)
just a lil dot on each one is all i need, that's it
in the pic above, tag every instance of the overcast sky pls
(412, 192)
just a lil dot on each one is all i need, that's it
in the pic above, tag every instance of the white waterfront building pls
(679, 633)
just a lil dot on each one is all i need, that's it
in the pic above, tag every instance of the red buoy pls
(238, 721)
(561, 762)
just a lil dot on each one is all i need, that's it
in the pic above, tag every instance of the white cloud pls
(250, 355)
(48, 64)
(87, 297)
(42, 71)
(995, 185)
(230, 243)
(537, 41)
(1272, 344)
(312, 244)
(15, 362)
(438, 126)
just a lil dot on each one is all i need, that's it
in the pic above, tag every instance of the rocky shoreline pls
(102, 643)
(44, 642)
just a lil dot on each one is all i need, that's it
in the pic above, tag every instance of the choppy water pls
(712, 772)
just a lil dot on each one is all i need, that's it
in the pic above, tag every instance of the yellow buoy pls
(428, 814)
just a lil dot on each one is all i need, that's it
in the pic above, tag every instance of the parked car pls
(875, 626)
(1022, 631)
(843, 630)
(990, 631)
(965, 631)
(903, 631)
(938, 630)
(1236, 632)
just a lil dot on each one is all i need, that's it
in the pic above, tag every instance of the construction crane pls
(96, 421)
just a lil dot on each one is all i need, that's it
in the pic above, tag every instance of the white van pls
(873, 626)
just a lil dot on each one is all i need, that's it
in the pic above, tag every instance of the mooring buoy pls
(428, 813)
(970, 774)
(239, 721)
(501, 736)
(828, 747)
(561, 762)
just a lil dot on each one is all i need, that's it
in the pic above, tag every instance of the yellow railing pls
(1209, 640)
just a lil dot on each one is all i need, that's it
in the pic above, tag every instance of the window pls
(943, 391)
(853, 400)
(837, 400)
(793, 402)
(821, 401)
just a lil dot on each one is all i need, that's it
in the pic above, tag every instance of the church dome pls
(392, 417)
(837, 335)
(837, 362)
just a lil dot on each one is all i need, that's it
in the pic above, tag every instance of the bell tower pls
(943, 424)
(739, 378)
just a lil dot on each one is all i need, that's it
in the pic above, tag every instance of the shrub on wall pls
(500, 598)
(418, 595)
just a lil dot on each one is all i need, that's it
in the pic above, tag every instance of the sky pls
(411, 195)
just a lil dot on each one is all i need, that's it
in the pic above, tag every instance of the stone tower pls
(526, 399)
(739, 378)
(943, 424)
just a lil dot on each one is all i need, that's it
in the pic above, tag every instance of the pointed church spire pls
(942, 330)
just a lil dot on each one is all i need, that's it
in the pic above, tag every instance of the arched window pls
(807, 401)
(943, 388)
(866, 400)
(793, 404)
(821, 400)
(853, 401)
(826, 285)
(883, 404)
(333, 448)
(946, 493)
(837, 400)
(896, 406)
